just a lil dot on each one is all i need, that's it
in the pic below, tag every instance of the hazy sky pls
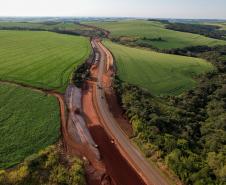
(116, 8)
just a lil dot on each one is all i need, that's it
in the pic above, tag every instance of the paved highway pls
(150, 174)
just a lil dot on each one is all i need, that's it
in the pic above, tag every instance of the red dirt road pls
(117, 167)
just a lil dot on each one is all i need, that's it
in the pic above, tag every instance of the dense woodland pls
(186, 132)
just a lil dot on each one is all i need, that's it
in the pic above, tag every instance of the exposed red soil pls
(117, 167)
(91, 119)
(70, 145)
(118, 114)
(95, 172)
(114, 106)
(88, 106)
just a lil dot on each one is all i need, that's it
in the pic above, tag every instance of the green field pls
(29, 121)
(161, 74)
(153, 30)
(42, 59)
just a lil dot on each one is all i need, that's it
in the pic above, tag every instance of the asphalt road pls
(150, 174)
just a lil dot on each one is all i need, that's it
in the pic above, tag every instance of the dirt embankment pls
(111, 97)
(117, 167)
(114, 106)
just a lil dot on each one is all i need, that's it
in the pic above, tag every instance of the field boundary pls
(33, 88)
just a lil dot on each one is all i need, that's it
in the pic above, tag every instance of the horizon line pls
(117, 17)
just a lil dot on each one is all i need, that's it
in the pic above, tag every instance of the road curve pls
(150, 174)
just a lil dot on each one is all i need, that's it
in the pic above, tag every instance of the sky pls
(195, 9)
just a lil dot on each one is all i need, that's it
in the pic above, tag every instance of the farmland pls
(169, 103)
(29, 121)
(161, 74)
(41, 59)
(153, 30)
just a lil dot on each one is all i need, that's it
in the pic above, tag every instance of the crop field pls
(161, 74)
(41, 59)
(29, 121)
(153, 30)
